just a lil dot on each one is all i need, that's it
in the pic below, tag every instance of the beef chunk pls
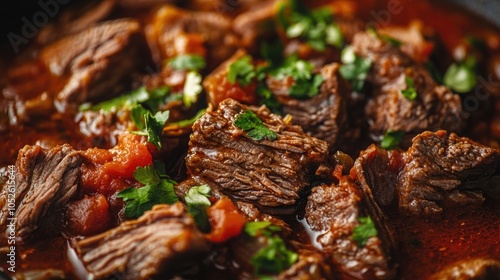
(96, 60)
(377, 170)
(439, 170)
(45, 181)
(321, 116)
(474, 269)
(265, 173)
(444, 169)
(177, 31)
(159, 244)
(309, 266)
(435, 107)
(333, 211)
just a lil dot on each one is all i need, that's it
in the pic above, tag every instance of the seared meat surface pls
(334, 212)
(45, 181)
(161, 243)
(266, 173)
(435, 106)
(439, 170)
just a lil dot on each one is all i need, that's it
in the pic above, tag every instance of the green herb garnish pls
(460, 77)
(389, 39)
(306, 84)
(192, 88)
(391, 139)
(241, 71)
(157, 189)
(198, 202)
(364, 231)
(191, 121)
(410, 92)
(315, 27)
(149, 98)
(250, 122)
(187, 62)
(152, 125)
(273, 258)
(355, 68)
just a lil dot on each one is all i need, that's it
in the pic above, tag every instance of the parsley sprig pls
(249, 121)
(316, 27)
(355, 68)
(158, 189)
(461, 77)
(275, 256)
(364, 231)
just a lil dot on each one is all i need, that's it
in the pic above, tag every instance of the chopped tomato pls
(89, 215)
(106, 171)
(225, 220)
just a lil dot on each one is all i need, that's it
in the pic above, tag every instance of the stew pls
(284, 139)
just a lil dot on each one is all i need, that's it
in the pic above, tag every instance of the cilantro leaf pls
(187, 62)
(149, 98)
(249, 121)
(153, 125)
(303, 89)
(355, 69)
(460, 77)
(384, 37)
(191, 121)
(137, 114)
(410, 92)
(241, 71)
(253, 228)
(315, 27)
(155, 191)
(197, 202)
(192, 88)
(267, 98)
(391, 139)
(364, 230)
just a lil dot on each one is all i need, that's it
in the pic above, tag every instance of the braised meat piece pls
(309, 266)
(439, 170)
(473, 269)
(444, 169)
(175, 31)
(162, 242)
(435, 106)
(99, 60)
(334, 212)
(45, 181)
(266, 173)
(321, 116)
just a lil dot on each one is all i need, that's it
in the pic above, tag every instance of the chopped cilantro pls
(192, 88)
(306, 84)
(155, 191)
(153, 125)
(315, 27)
(355, 68)
(249, 121)
(191, 121)
(149, 98)
(241, 71)
(460, 77)
(364, 231)
(389, 39)
(197, 202)
(275, 256)
(391, 139)
(410, 92)
(187, 62)
(267, 98)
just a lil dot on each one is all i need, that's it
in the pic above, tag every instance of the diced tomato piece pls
(89, 215)
(106, 171)
(127, 156)
(225, 220)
